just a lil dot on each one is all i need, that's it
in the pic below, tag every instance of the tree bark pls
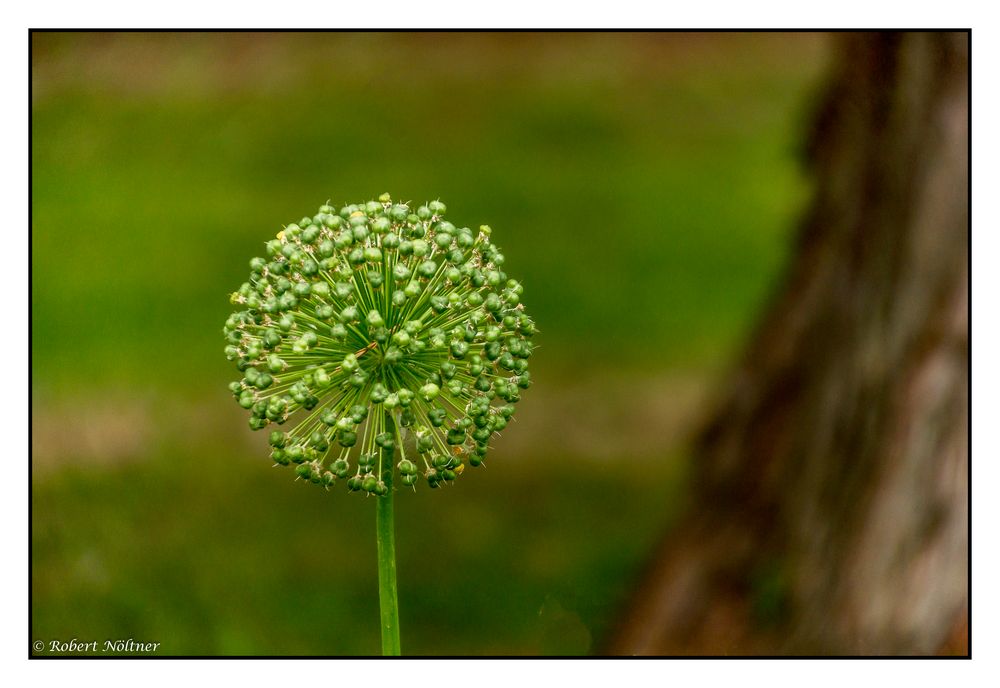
(829, 507)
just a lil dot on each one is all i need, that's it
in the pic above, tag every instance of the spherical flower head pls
(380, 334)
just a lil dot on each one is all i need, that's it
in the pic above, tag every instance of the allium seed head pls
(381, 333)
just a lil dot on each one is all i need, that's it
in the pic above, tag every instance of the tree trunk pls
(829, 509)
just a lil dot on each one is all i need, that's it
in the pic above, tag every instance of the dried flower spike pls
(380, 333)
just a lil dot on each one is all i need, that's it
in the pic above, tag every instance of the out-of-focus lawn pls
(643, 189)
(241, 561)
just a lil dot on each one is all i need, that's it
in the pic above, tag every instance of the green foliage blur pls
(643, 189)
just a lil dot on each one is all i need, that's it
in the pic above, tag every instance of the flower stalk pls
(386, 537)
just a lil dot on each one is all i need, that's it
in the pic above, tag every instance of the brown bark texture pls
(829, 504)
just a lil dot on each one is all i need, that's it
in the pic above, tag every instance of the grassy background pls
(643, 189)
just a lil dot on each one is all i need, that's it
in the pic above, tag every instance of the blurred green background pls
(644, 188)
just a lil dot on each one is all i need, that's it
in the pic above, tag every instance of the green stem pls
(388, 602)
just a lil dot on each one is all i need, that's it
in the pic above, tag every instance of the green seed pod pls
(358, 413)
(349, 314)
(456, 436)
(326, 249)
(319, 441)
(412, 290)
(421, 248)
(271, 338)
(427, 269)
(375, 278)
(437, 417)
(344, 290)
(302, 289)
(350, 363)
(358, 379)
(459, 349)
(379, 393)
(343, 240)
(430, 391)
(347, 438)
(439, 303)
(375, 319)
